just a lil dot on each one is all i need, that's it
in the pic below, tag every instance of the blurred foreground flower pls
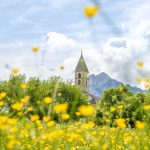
(1, 103)
(2, 95)
(91, 11)
(62, 67)
(47, 100)
(78, 113)
(46, 118)
(86, 110)
(138, 80)
(25, 99)
(29, 109)
(34, 117)
(61, 108)
(23, 85)
(139, 124)
(147, 107)
(50, 123)
(121, 122)
(17, 106)
(65, 116)
(112, 109)
(15, 71)
(140, 64)
(35, 49)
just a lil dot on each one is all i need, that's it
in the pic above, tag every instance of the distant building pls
(82, 79)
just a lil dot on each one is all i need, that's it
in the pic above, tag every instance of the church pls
(82, 79)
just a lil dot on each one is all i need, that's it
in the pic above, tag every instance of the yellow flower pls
(25, 99)
(65, 116)
(12, 121)
(121, 122)
(139, 80)
(78, 113)
(120, 107)
(147, 107)
(15, 71)
(46, 118)
(29, 109)
(23, 85)
(2, 95)
(86, 110)
(139, 124)
(34, 117)
(140, 64)
(147, 85)
(19, 113)
(1, 103)
(47, 100)
(127, 139)
(17, 106)
(61, 108)
(102, 133)
(147, 80)
(35, 49)
(91, 11)
(50, 123)
(62, 67)
(112, 109)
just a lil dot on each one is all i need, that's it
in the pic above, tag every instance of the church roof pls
(81, 66)
(94, 99)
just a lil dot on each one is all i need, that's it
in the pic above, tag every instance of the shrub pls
(18, 89)
(121, 103)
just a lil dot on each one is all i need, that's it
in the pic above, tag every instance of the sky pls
(112, 42)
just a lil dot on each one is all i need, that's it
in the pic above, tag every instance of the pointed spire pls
(81, 53)
(81, 66)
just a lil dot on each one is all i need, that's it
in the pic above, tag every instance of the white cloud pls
(60, 42)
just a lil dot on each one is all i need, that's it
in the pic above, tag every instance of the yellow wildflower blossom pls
(34, 117)
(46, 118)
(121, 122)
(147, 85)
(127, 139)
(61, 108)
(86, 110)
(138, 80)
(112, 109)
(1, 103)
(147, 107)
(25, 99)
(2, 95)
(50, 123)
(35, 49)
(65, 116)
(140, 64)
(17, 106)
(12, 121)
(15, 71)
(78, 113)
(62, 67)
(120, 107)
(91, 11)
(47, 100)
(29, 109)
(102, 133)
(19, 113)
(23, 85)
(139, 124)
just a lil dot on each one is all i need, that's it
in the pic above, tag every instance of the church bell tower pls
(82, 75)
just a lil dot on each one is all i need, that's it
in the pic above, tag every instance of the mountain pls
(101, 82)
